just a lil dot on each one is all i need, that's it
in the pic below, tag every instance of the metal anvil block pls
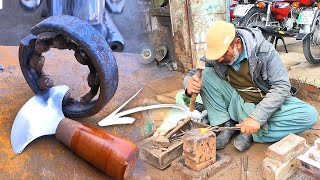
(199, 146)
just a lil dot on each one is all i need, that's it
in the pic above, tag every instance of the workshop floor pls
(46, 158)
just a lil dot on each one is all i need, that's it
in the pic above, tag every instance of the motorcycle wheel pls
(311, 45)
(255, 17)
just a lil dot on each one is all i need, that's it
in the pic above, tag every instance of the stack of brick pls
(199, 148)
(281, 161)
(310, 161)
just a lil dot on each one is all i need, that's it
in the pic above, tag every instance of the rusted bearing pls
(91, 49)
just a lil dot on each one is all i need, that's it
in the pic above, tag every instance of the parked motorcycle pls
(300, 19)
(234, 3)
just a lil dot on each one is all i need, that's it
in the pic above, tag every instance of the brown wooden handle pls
(185, 121)
(194, 95)
(113, 155)
(191, 108)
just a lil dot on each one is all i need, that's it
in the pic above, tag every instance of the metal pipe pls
(114, 38)
(268, 13)
(92, 12)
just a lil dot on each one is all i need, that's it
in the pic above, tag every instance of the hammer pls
(163, 141)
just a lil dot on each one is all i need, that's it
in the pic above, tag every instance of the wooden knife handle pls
(185, 121)
(112, 154)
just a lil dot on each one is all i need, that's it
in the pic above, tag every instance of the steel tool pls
(147, 53)
(244, 167)
(211, 128)
(42, 115)
(163, 141)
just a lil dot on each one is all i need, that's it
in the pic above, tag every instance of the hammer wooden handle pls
(185, 121)
(191, 108)
(194, 95)
(113, 155)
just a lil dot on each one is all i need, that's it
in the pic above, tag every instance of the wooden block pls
(160, 158)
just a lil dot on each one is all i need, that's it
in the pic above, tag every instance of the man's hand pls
(249, 126)
(194, 85)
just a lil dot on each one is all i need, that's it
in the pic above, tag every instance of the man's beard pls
(236, 55)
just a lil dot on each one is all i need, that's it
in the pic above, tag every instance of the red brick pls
(182, 70)
(288, 148)
(199, 147)
(198, 166)
(187, 65)
(310, 88)
(186, 59)
(183, 172)
(179, 63)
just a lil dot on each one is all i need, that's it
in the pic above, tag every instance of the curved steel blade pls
(38, 117)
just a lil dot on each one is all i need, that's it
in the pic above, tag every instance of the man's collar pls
(244, 53)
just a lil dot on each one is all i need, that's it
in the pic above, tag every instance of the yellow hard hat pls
(219, 37)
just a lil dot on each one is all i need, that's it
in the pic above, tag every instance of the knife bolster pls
(65, 130)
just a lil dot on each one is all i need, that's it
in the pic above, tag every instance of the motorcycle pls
(234, 3)
(300, 19)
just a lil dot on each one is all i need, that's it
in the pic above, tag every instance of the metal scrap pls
(94, 13)
(62, 32)
(114, 38)
(244, 167)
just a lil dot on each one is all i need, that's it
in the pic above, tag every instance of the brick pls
(288, 148)
(201, 150)
(179, 63)
(314, 96)
(310, 88)
(275, 170)
(198, 166)
(179, 168)
(168, 98)
(182, 70)
(185, 59)
(199, 147)
(186, 65)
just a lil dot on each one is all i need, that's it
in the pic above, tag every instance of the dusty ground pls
(46, 158)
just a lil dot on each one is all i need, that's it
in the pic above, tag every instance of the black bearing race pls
(102, 63)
